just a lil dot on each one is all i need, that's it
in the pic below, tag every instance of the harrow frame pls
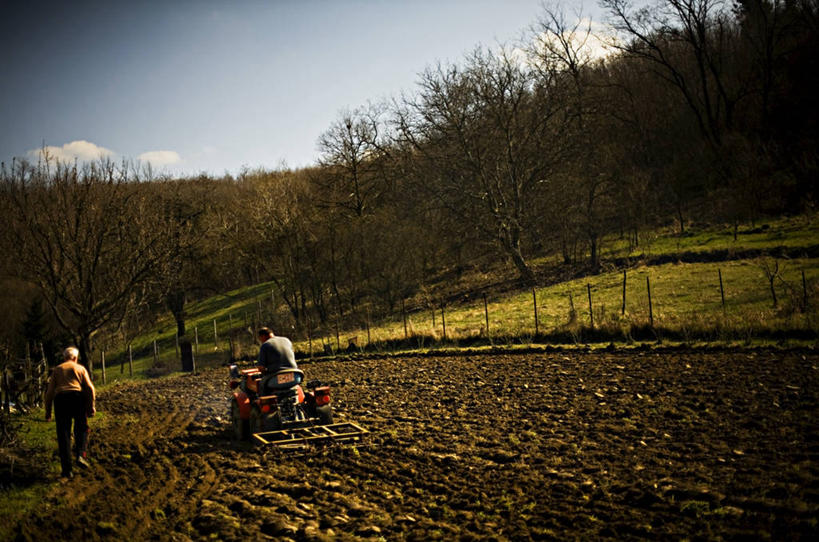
(301, 437)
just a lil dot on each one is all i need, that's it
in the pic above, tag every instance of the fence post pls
(338, 336)
(650, 308)
(156, 354)
(130, 361)
(28, 364)
(368, 326)
(591, 311)
(102, 361)
(486, 314)
(6, 393)
(534, 304)
(804, 291)
(215, 337)
(443, 318)
(404, 317)
(721, 289)
(623, 311)
(196, 338)
(310, 336)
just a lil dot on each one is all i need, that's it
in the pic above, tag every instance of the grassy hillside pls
(686, 302)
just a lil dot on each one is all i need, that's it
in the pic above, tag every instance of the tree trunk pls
(594, 253)
(176, 303)
(85, 353)
(525, 272)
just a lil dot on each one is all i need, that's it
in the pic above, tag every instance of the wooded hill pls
(700, 112)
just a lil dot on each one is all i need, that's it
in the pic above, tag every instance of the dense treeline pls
(699, 109)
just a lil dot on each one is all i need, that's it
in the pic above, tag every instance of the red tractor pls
(286, 414)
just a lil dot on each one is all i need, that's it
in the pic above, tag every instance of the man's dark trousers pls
(70, 406)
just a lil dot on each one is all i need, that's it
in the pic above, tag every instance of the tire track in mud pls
(141, 481)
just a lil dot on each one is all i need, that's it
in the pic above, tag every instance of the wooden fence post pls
(486, 314)
(591, 311)
(338, 335)
(534, 301)
(156, 354)
(130, 361)
(721, 289)
(215, 337)
(310, 336)
(404, 317)
(368, 327)
(804, 291)
(102, 361)
(196, 338)
(443, 318)
(623, 310)
(650, 308)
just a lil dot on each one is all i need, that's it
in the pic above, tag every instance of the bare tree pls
(690, 44)
(90, 239)
(483, 138)
(353, 160)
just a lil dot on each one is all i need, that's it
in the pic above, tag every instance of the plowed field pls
(538, 446)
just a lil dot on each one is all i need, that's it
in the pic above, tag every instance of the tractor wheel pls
(324, 415)
(256, 421)
(241, 428)
(274, 421)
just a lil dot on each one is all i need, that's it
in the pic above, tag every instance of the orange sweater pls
(69, 376)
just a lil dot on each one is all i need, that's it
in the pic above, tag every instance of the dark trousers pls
(70, 406)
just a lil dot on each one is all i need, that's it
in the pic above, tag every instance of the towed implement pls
(276, 410)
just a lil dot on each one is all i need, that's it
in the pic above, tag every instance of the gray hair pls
(71, 353)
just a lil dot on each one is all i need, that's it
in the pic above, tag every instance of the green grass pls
(36, 466)
(789, 232)
(686, 300)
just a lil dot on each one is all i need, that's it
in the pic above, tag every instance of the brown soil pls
(558, 445)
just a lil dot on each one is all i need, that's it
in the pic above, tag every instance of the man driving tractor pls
(275, 354)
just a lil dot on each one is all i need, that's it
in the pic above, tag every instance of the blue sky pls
(214, 86)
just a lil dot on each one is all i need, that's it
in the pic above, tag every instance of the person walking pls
(74, 399)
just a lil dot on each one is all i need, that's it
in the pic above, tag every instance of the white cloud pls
(160, 158)
(76, 150)
(589, 40)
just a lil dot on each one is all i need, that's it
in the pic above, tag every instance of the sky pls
(205, 86)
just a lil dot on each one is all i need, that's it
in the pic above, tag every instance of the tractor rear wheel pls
(324, 415)
(274, 421)
(241, 428)
(256, 421)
